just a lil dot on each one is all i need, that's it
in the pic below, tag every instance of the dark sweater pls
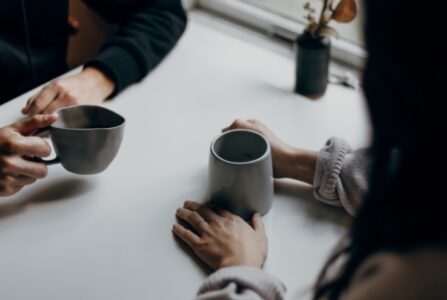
(38, 28)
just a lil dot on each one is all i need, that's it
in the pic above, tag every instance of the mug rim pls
(249, 162)
(88, 129)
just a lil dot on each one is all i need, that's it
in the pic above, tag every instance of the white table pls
(109, 236)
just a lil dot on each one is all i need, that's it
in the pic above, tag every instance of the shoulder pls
(417, 275)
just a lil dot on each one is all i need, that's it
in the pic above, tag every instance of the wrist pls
(298, 164)
(235, 262)
(103, 84)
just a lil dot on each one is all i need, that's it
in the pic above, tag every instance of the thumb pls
(30, 125)
(257, 223)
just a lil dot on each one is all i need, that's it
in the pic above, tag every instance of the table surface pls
(109, 236)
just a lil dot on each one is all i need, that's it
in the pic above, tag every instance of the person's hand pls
(287, 161)
(280, 150)
(220, 238)
(90, 86)
(15, 145)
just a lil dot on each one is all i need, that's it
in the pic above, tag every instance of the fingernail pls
(178, 211)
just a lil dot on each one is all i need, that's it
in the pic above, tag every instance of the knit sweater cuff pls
(329, 165)
(265, 285)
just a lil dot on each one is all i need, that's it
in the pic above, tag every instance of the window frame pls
(276, 25)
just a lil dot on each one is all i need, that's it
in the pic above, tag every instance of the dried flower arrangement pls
(343, 11)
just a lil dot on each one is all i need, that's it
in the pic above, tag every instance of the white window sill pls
(277, 26)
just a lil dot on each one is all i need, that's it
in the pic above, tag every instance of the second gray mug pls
(241, 173)
(86, 138)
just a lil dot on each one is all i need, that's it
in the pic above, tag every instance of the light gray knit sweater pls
(340, 180)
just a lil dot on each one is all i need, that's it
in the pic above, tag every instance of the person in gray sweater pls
(397, 245)
(339, 177)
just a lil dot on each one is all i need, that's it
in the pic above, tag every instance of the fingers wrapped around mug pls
(18, 166)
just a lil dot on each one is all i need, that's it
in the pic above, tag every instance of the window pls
(293, 9)
(285, 18)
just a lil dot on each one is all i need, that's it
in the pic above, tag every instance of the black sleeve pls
(148, 30)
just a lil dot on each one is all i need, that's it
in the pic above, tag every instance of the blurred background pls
(293, 9)
(282, 19)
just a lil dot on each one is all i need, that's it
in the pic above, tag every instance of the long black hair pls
(405, 87)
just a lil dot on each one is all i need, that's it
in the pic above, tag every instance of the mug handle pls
(43, 133)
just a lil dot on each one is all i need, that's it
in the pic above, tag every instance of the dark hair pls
(404, 83)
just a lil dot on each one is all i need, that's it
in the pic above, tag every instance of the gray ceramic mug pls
(86, 138)
(241, 172)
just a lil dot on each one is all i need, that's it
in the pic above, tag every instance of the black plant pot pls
(312, 65)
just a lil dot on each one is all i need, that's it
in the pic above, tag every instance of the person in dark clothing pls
(33, 49)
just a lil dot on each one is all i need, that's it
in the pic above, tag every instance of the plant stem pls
(329, 10)
(321, 21)
(331, 2)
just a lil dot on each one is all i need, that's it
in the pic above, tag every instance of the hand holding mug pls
(288, 161)
(86, 138)
(280, 150)
(15, 145)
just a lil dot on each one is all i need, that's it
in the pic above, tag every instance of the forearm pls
(103, 85)
(148, 31)
(297, 164)
(338, 174)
